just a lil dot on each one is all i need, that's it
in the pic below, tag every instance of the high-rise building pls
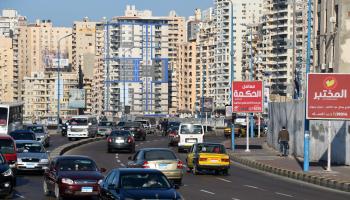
(10, 22)
(137, 66)
(176, 35)
(285, 25)
(192, 25)
(7, 72)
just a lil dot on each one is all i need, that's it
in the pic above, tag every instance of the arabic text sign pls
(328, 96)
(247, 96)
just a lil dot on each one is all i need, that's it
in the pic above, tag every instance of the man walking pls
(283, 139)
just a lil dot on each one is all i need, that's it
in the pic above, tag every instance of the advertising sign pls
(328, 96)
(228, 112)
(77, 98)
(247, 96)
(208, 104)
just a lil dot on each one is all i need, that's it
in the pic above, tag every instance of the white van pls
(83, 126)
(189, 134)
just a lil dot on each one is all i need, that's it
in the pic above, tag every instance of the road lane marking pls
(116, 155)
(222, 179)
(118, 161)
(282, 194)
(251, 186)
(206, 191)
(235, 198)
(20, 196)
(122, 164)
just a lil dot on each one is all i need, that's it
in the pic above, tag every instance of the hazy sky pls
(64, 12)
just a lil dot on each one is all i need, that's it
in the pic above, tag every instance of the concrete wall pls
(291, 115)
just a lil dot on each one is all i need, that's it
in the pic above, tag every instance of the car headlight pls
(44, 160)
(67, 181)
(7, 172)
(100, 181)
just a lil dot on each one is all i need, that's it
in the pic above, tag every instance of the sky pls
(64, 12)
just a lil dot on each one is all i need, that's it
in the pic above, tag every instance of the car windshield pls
(76, 165)
(159, 155)
(121, 124)
(36, 129)
(144, 181)
(105, 124)
(211, 148)
(120, 133)
(23, 136)
(6, 146)
(132, 125)
(191, 129)
(30, 148)
(78, 121)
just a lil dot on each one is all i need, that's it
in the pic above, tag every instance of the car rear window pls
(6, 146)
(120, 133)
(23, 136)
(159, 155)
(29, 148)
(211, 148)
(36, 129)
(191, 129)
(132, 125)
(76, 165)
(79, 121)
(144, 181)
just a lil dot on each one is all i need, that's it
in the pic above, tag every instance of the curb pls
(316, 180)
(64, 148)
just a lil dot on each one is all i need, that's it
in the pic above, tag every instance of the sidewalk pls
(267, 159)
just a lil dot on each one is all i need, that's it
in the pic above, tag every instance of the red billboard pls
(247, 96)
(327, 96)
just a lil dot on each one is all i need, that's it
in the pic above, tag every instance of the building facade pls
(7, 70)
(137, 66)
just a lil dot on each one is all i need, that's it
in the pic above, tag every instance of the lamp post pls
(58, 80)
(232, 79)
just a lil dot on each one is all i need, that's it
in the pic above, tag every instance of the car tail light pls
(180, 164)
(138, 129)
(145, 165)
(130, 140)
(109, 139)
(202, 159)
(225, 160)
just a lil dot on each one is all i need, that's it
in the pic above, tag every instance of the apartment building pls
(7, 72)
(177, 35)
(137, 67)
(331, 44)
(187, 53)
(10, 21)
(231, 18)
(40, 95)
(285, 25)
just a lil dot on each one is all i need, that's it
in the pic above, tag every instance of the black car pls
(121, 140)
(23, 135)
(7, 178)
(137, 184)
(136, 129)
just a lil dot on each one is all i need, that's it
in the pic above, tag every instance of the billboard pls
(247, 96)
(50, 59)
(208, 104)
(77, 98)
(327, 96)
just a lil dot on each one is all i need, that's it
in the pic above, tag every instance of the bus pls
(11, 117)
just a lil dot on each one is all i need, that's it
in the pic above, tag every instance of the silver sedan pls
(31, 156)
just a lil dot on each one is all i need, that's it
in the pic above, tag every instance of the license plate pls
(30, 166)
(119, 141)
(163, 166)
(86, 189)
(214, 160)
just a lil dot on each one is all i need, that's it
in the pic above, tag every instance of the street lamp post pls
(232, 79)
(58, 79)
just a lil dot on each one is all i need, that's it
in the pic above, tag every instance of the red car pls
(72, 176)
(8, 149)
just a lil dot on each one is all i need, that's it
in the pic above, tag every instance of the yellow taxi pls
(208, 156)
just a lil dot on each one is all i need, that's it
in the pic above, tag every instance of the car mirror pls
(103, 170)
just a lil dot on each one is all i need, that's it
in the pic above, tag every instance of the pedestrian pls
(283, 139)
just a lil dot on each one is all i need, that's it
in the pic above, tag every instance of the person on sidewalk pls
(283, 139)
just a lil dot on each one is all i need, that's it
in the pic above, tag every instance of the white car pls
(189, 134)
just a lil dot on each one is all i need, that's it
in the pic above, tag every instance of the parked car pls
(105, 128)
(208, 156)
(137, 184)
(136, 130)
(23, 135)
(82, 126)
(8, 150)
(121, 140)
(7, 179)
(41, 133)
(240, 130)
(173, 135)
(161, 159)
(31, 156)
(72, 176)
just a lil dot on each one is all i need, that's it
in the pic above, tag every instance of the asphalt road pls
(242, 183)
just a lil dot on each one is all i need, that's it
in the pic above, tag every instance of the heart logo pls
(330, 83)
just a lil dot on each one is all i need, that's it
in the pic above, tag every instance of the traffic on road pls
(134, 161)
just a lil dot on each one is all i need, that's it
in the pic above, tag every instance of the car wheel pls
(45, 188)
(195, 169)
(225, 172)
(70, 139)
